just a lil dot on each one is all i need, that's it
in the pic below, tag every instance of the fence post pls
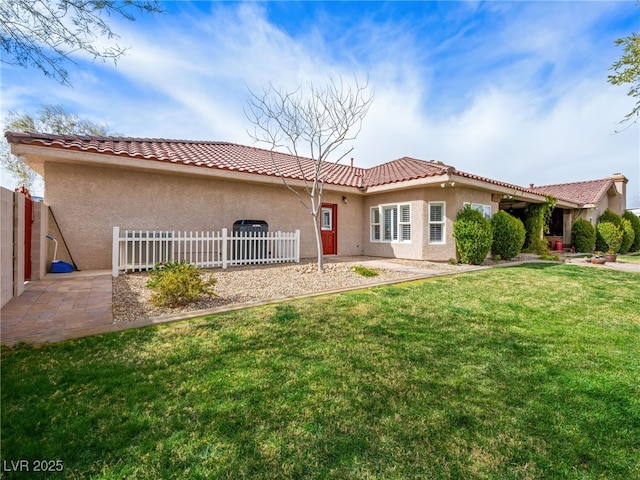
(115, 252)
(298, 246)
(224, 248)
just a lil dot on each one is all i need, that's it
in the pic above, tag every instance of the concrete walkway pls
(79, 304)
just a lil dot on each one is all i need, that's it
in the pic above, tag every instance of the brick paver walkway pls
(57, 308)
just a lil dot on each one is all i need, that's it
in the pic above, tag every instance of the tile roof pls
(241, 158)
(220, 155)
(581, 193)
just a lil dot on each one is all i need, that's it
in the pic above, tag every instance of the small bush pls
(178, 283)
(583, 235)
(607, 217)
(635, 224)
(364, 271)
(628, 235)
(473, 236)
(611, 236)
(508, 235)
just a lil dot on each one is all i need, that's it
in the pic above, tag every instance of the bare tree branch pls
(318, 121)
(46, 33)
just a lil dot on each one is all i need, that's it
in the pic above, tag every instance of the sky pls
(514, 91)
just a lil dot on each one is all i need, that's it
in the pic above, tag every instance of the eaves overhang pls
(36, 156)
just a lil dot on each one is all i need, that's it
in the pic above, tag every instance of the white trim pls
(442, 222)
(394, 233)
(480, 207)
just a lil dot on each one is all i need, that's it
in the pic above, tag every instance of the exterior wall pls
(419, 198)
(6, 244)
(413, 249)
(18, 244)
(618, 200)
(88, 202)
(39, 244)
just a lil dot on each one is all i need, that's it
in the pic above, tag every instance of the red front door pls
(329, 228)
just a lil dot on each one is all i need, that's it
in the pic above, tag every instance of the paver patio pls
(57, 308)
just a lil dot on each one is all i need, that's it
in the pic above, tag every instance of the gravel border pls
(237, 285)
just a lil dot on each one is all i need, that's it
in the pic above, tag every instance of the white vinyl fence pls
(137, 250)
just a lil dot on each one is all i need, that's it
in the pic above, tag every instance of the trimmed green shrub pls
(628, 235)
(583, 235)
(611, 236)
(607, 217)
(635, 224)
(178, 283)
(473, 236)
(508, 235)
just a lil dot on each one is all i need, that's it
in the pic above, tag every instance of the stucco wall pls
(411, 250)
(88, 202)
(419, 198)
(6, 244)
(39, 243)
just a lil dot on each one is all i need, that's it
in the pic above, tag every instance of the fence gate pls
(28, 227)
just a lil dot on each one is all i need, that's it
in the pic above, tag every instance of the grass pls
(635, 258)
(364, 271)
(526, 372)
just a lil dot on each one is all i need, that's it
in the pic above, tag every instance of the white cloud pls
(519, 94)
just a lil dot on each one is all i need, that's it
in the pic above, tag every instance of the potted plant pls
(612, 236)
(598, 258)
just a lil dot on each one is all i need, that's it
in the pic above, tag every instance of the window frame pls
(323, 225)
(396, 231)
(442, 222)
(375, 227)
(480, 207)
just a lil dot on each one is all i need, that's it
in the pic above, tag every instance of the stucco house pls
(404, 208)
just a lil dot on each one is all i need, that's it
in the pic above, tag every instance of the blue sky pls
(515, 91)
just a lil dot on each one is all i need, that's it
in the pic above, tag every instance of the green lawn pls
(635, 258)
(529, 372)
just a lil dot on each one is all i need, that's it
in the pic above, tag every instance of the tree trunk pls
(316, 228)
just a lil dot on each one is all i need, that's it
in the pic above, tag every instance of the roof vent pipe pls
(351, 162)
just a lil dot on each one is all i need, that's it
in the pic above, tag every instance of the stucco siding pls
(88, 202)
(6, 244)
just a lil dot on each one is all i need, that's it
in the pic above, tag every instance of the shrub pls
(583, 235)
(611, 235)
(628, 235)
(473, 236)
(508, 235)
(536, 218)
(635, 224)
(607, 217)
(178, 283)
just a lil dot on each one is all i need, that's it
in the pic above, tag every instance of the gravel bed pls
(246, 284)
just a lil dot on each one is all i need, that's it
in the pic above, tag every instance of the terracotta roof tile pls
(402, 170)
(221, 155)
(581, 193)
(241, 158)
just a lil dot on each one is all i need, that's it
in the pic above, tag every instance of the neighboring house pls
(404, 208)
